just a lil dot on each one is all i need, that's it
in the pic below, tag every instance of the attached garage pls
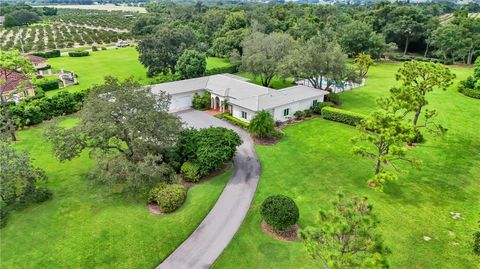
(181, 102)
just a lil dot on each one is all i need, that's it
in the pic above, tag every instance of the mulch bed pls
(288, 235)
(215, 173)
(265, 141)
(155, 210)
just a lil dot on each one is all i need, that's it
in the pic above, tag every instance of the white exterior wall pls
(237, 113)
(294, 107)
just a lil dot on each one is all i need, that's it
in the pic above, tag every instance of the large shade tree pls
(127, 128)
(263, 54)
(192, 64)
(18, 179)
(321, 62)
(159, 52)
(358, 37)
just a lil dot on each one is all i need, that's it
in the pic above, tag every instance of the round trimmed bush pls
(190, 171)
(279, 212)
(171, 197)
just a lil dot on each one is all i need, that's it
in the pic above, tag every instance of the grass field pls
(122, 63)
(276, 83)
(90, 226)
(314, 160)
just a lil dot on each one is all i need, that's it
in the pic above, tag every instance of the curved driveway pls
(211, 237)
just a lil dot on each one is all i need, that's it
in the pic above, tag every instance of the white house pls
(242, 98)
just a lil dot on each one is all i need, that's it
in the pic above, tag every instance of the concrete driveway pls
(212, 236)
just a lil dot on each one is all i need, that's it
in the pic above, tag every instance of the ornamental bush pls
(171, 197)
(233, 120)
(47, 84)
(190, 172)
(262, 125)
(471, 86)
(334, 98)
(78, 53)
(317, 109)
(279, 212)
(48, 54)
(201, 102)
(340, 115)
(209, 148)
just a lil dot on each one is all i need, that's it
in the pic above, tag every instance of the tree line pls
(229, 31)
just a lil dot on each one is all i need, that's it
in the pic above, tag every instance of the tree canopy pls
(127, 129)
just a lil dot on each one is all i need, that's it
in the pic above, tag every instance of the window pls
(315, 102)
(286, 112)
(244, 115)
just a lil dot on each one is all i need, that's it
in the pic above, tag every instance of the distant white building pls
(242, 98)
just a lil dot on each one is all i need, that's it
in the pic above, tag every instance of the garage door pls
(181, 102)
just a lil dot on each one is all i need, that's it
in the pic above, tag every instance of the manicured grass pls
(314, 160)
(215, 62)
(122, 63)
(276, 83)
(90, 226)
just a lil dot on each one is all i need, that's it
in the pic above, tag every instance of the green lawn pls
(121, 63)
(314, 160)
(276, 83)
(90, 226)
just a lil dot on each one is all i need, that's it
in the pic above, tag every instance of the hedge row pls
(344, 116)
(220, 70)
(470, 92)
(405, 58)
(34, 111)
(48, 54)
(47, 84)
(233, 120)
(78, 53)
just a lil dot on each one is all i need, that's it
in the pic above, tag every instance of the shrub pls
(190, 171)
(171, 197)
(209, 148)
(94, 48)
(47, 84)
(476, 242)
(417, 137)
(334, 98)
(262, 125)
(153, 193)
(33, 111)
(308, 112)
(4, 211)
(233, 120)
(344, 116)
(104, 48)
(48, 54)
(201, 102)
(318, 108)
(298, 115)
(279, 212)
(78, 53)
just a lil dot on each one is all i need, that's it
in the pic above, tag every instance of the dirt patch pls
(187, 185)
(288, 235)
(265, 141)
(155, 209)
